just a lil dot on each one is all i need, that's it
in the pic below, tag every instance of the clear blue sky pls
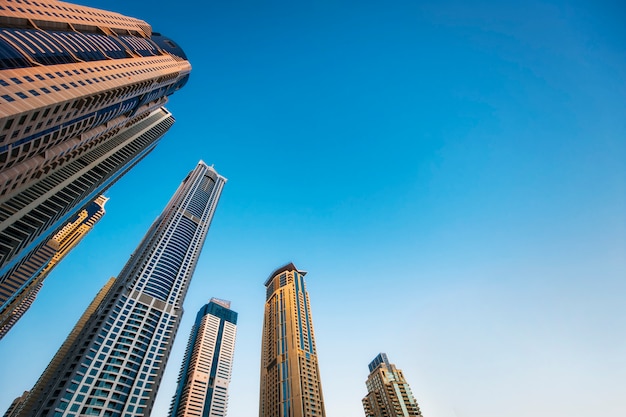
(451, 174)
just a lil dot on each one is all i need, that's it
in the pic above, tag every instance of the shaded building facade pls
(31, 400)
(388, 393)
(18, 291)
(116, 361)
(290, 377)
(207, 366)
(82, 92)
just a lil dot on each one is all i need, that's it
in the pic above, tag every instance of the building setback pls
(207, 366)
(82, 92)
(290, 377)
(115, 362)
(388, 393)
(14, 302)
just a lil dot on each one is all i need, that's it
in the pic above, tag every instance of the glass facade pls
(82, 99)
(115, 364)
(207, 366)
(19, 290)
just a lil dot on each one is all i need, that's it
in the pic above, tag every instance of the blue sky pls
(451, 174)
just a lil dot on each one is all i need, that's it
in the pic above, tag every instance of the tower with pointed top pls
(290, 376)
(115, 362)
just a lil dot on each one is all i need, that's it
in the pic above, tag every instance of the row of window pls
(57, 47)
(54, 210)
(156, 64)
(38, 119)
(76, 11)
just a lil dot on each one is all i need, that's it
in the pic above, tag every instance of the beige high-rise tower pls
(19, 290)
(290, 377)
(388, 393)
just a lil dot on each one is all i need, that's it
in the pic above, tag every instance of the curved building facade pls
(82, 92)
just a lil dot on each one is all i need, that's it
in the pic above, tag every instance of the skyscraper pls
(205, 372)
(14, 301)
(82, 92)
(290, 377)
(115, 363)
(388, 393)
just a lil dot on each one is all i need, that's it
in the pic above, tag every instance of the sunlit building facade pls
(116, 362)
(388, 393)
(15, 405)
(82, 92)
(290, 377)
(206, 370)
(18, 291)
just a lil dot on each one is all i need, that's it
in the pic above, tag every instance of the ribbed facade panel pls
(26, 217)
(116, 363)
(76, 84)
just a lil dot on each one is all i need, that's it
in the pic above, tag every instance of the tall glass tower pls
(205, 372)
(115, 364)
(388, 393)
(82, 92)
(290, 377)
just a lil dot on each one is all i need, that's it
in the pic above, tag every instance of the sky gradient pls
(452, 175)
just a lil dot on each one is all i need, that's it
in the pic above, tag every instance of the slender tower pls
(290, 377)
(115, 364)
(205, 372)
(388, 393)
(14, 302)
(82, 92)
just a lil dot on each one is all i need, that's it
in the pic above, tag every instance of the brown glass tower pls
(82, 96)
(290, 377)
